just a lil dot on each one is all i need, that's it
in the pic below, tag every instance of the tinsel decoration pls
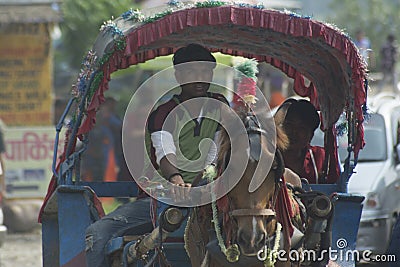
(157, 16)
(341, 129)
(175, 4)
(110, 26)
(94, 85)
(105, 58)
(206, 4)
(294, 15)
(133, 15)
(257, 6)
(249, 68)
(72, 122)
(120, 44)
(366, 114)
(126, 15)
(341, 125)
(231, 253)
(273, 253)
(246, 89)
(79, 88)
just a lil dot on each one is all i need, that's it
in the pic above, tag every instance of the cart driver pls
(299, 119)
(133, 218)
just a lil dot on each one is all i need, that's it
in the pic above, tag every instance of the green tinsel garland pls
(248, 68)
(210, 4)
(95, 84)
(105, 58)
(72, 122)
(120, 44)
(135, 16)
(157, 16)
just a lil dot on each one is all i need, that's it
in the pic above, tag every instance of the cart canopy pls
(299, 46)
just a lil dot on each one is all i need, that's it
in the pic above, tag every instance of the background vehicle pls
(377, 174)
(3, 229)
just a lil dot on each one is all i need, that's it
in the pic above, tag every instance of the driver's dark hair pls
(299, 110)
(192, 52)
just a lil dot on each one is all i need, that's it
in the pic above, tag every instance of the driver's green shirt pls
(192, 138)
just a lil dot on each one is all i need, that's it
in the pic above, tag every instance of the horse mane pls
(282, 140)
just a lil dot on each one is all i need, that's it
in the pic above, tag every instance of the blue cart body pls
(70, 211)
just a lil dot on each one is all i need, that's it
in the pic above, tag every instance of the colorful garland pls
(157, 16)
(273, 253)
(247, 86)
(231, 253)
(206, 4)
(110, 26)
(258, 6)
(175, 3)
(133, 15)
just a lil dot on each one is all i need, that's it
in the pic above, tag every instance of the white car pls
(377, 174)
(3, 229)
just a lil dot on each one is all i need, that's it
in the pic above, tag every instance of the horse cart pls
(322, 60)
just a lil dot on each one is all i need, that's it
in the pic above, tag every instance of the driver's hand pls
(179, 192)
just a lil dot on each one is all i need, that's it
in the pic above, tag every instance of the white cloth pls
(163, 143)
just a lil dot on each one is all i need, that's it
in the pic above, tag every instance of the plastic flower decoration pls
(246, 89)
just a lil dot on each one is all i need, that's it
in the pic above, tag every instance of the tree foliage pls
(81, 24)
(377, 18)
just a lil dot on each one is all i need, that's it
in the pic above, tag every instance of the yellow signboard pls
(28, 160)
(25, 75)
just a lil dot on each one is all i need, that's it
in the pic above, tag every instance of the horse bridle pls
(254, 131)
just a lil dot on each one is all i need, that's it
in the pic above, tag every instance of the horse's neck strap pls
(252, 212)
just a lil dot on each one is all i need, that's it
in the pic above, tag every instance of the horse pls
(248, 218)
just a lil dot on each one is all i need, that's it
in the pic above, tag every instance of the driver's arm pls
(165, 151)
(169, 171)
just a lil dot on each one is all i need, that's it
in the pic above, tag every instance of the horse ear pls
(280, 165)
(282, 140)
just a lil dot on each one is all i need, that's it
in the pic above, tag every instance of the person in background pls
(113, 129)
(104, 157)
(364, 45)
(299, 119)
(388, 55)
(276, 99)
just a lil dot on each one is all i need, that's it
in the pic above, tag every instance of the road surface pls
(22, 250)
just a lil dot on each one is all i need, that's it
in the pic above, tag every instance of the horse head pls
(251, 214)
